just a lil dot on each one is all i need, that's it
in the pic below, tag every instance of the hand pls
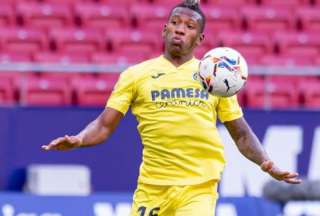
(275, 172)
(63, 143)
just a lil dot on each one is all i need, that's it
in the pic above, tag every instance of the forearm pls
(249, 145)
(95, 133)
(246, 141)
(251, 148)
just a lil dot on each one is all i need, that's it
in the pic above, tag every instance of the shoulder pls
(145, 65)
(196, 60)
(138, 71)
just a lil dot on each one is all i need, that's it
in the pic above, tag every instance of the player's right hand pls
(63, 143)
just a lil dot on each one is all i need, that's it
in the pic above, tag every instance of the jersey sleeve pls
(229, 109)
(123, 92)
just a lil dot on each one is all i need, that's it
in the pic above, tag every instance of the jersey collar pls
(166, 61)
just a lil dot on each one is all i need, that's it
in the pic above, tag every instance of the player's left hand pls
(275, 172)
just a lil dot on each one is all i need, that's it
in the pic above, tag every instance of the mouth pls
(177, 41)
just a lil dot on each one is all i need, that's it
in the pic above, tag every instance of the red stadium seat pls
(92, 92)
(271, 94)
(286, 3)
(169, 3)
(13, 76)
(292, 79)
(47, 92)
(64, 76)
(102, 16)
(62, 58)
(251, 58)
(201, 50)
(110, 77)
(276, 60)
(220, 18)
(45, 16)
(152, 17)
(77, 41)
(16, 79)
(268, 19)
(117, 58)
(15, 2)
(125, 3)
(301, 44)
(7, 15)
(247, 43)
(14, 57)
(252, 80)
(310, 91)
(206, 45)
(233, 3)
(23, 40)
(309, 18)
(6, 92)
(129, 41)
(242, 98)
(69, 2)
(283, 94)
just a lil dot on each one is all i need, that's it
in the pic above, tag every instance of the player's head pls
(184, 29)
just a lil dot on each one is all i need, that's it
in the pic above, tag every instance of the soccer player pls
(183, 154)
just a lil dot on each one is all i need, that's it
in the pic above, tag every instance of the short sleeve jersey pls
(176, 121)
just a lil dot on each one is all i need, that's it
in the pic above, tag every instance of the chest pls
(174, 89)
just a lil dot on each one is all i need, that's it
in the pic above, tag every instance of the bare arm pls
(95, 133)
(246, 141)
(249, 145)
(101, 128)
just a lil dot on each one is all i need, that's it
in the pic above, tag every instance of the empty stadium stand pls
(46, 92)
(125, 32)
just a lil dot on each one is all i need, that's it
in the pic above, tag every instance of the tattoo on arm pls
(246, 141)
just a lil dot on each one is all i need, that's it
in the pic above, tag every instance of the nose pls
(180, 30)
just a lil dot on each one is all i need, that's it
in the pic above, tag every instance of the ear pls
(200, 39)
(164, 30)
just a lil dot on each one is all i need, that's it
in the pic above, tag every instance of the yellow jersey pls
(176, 121)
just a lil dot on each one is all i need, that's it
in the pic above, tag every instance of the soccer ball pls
(223, 71)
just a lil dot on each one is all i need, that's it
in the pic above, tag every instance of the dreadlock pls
(195, 6)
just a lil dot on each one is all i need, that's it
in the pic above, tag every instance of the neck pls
(177, 60)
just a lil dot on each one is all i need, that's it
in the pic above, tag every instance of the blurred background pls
(59, 60)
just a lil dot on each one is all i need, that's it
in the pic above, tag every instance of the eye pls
(173, 22)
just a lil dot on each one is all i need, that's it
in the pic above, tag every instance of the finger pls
(57, 141)
(53, 144)
(277, 172)
(50, 147)
(45, 147)
(292, 175)
(293, 181)
(282, 174)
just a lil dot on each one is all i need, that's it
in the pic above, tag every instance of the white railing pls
(107, 68)
(62, 67)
